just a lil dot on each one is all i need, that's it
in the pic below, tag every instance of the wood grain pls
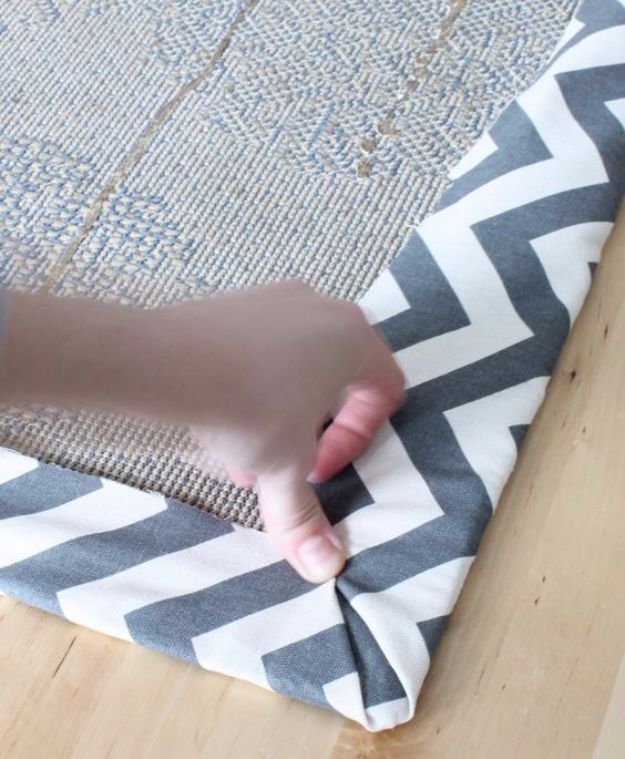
(531, 665)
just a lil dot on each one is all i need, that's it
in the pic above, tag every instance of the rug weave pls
(155, 152)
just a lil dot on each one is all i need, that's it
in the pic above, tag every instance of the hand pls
(255, 373)
(293, 358)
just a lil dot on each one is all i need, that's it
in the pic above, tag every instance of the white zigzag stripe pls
(344, 695)
(242, 643)
(102, 604)
(401, 503)
(112, 507)
(392, 616)
(576, 163)
(480, 151)
(572, 29)
(383, 299)
(482, 429)
(565, 255)
(14, 464)
(617, 108)
(603, 48)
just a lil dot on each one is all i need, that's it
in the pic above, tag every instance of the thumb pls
(297, 524)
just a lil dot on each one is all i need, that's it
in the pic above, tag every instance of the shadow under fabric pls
(476, 308)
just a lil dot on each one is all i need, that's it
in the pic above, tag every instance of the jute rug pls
(152, 152)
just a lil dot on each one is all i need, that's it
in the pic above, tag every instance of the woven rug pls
(152, 152)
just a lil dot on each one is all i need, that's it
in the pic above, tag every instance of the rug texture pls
(152, 152)
(476, 308)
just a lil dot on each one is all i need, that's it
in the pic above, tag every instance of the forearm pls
(79, 353)
(66, 351)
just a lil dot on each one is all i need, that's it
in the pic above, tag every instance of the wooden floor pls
(532, 664)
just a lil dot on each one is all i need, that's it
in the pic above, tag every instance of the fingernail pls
(321, 559)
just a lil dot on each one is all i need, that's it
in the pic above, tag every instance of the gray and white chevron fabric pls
(476, 308)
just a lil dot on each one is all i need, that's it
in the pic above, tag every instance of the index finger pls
(368, 404)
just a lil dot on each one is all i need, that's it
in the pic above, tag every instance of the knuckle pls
(306, 513)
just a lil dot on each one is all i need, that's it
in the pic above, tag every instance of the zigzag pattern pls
(476, 308)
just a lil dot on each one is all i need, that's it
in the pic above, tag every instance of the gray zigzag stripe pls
(586, 92)
(518, 432)
(301, 669)
(345, 496)
(458, 491)
(93, 557)
(44, 488)
(519, 145)
(596, 15)
(171, 624)
(507, 238)
(417, 272)
(431, 630)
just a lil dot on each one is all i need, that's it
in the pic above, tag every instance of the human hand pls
(255, 373)
(294, 358)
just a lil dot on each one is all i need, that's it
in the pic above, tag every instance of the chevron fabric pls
(476, 309)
